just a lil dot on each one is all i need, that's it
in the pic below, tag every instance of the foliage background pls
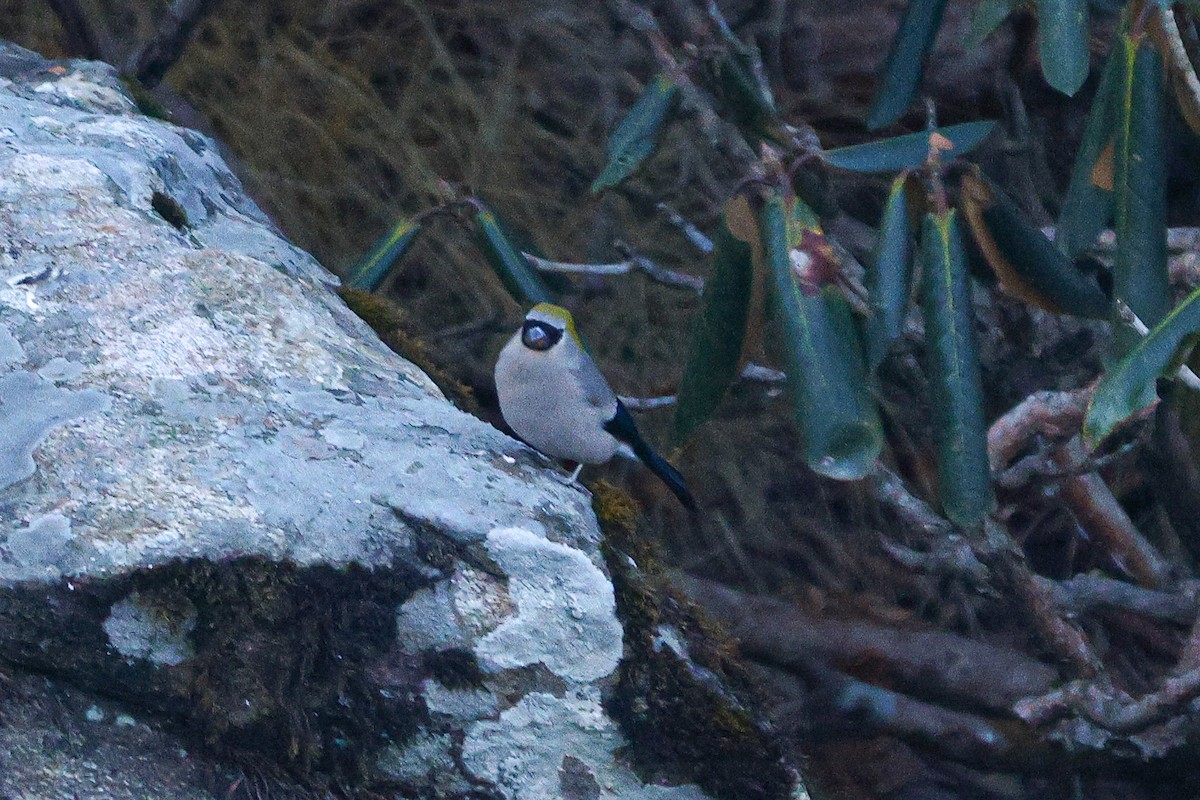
(344, 115)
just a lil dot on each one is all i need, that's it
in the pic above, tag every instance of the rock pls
(223, 500)
(55, 742)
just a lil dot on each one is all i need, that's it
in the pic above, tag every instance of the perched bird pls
(554, 397)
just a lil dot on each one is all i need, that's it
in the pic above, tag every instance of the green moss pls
(684, 726)
(377, 311)
(392, 324)
(145, 100)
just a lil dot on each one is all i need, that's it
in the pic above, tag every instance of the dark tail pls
(669, 475)
(621, 426)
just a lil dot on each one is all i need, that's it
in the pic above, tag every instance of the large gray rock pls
(55, 742)
(224, 500)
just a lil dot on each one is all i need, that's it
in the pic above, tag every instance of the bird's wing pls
(623, 429)
(596, 391)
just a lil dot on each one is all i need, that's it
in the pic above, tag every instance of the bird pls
(554, 397)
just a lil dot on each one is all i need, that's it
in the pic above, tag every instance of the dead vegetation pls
(902, 659)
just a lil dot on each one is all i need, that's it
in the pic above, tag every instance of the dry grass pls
(346, 115)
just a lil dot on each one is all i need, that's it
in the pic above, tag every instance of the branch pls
(862, 707)
(932, 664)
(1110, 708)
(657, 272)
(648, 403)
(1051, 414)
(1179, 240)
(750, 372)
(1064, 639)
(545, 265)
(634, 262)
(890, 492)
(1085, 593)
(1099, 511)
(643, 21)
(994, 553)
(689, 229)
(1054, 414)
(1184, 373)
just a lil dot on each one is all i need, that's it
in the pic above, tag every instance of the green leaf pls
(368, 274)
(717, 334)
(512, 267)
(959, 429)
(1087, 206)
(906, 61)
(1140, 275)
(989, 15)
(1063, 43)
(1129, 387)
(748, 98)
(1024, 260)
(889, 275)
(839, 425)
(635, 138)
(908, 151)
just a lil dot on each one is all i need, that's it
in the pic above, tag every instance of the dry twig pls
(1085, 593)
(933, 664)
(1052, 414)
(635, 262)
(1109, 707)
(1099, 511)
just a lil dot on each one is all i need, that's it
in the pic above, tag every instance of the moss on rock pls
(391, 323)
(681, 695)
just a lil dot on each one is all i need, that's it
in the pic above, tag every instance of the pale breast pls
(544, 402)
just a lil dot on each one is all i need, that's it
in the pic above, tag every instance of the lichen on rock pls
(228, 503)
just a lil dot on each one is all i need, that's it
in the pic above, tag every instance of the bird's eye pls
(537, 335)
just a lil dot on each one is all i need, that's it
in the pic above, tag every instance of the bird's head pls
(545, 325)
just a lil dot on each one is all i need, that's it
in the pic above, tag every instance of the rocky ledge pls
(224, 503)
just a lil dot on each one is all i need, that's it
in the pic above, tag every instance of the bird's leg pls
(575, 475)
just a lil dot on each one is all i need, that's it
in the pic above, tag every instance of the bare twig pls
(689, 229)
(150, 62)
(1052, 414)
(1085, 593)
(643, 21)
(545, 265)
(951, 555)
(657, 272)
(1063, 638)
(1179, 240)
(1110, 708)
(648, 403)
(761, 374)
(991, 554)
(860, 706)
(933, 664)
(634, 262)
(719, 134)
(1094, 505)
(751, 372)
(1189, 659)
(890, 491)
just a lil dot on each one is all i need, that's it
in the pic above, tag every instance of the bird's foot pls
(573, 478)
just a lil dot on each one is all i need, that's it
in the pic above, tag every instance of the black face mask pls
(538, 335)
